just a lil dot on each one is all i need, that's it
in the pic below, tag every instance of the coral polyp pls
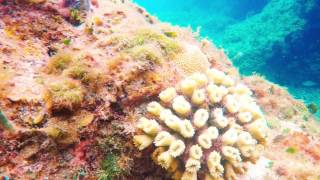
(208, 124)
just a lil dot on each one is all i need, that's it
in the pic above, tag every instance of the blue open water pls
(279, 39)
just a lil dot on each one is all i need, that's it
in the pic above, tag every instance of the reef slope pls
(72, 94)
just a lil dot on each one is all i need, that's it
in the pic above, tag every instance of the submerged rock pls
(74, 95)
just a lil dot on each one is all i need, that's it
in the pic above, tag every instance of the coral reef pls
(207, 125)
(250, 43)
(264, 37)
(73, 96)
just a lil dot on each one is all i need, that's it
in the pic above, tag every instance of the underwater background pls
(278, 39)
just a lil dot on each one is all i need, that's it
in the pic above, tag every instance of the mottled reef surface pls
(73, 85)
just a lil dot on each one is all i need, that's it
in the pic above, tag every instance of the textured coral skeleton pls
(208, 126)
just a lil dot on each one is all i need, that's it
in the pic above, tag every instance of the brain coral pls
(207, 127)
(191, 60)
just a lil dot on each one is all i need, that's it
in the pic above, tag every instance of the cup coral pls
(207, 124)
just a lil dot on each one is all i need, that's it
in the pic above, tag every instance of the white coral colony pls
(198, 97)
(181, 106)
(176, 148)
(186, 129)
(207, 125)
(168, 95)
(200, 118)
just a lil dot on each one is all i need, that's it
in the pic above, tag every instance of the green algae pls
(109, 168)
(66, 95)
(82, 72)
(80, 174)
(59, 62)
(171, 34)
(146, 52)
(142, 37)
(313, 108)
(270, 164)
(67, 64)
(291, 150)
(5, 122)
(168, 45)
(67, 42)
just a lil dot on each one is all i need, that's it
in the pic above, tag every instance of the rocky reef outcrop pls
(72, 94)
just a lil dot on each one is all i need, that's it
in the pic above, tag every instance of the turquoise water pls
(279, 39)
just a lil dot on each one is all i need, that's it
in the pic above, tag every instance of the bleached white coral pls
(187, 86)
(200, 79)
(195, 152)
(181, 106)
(230, 137)
(217, 112)
(163, 138)
(215, 75)
(214, 158)
(216, 93)
(210, 177)
(198, 97)
(154, 108)
(244, 117)
(165, 159)
(186, 129)
(247, 150)
(212, 132)
(231, 154)
(245, 138)
(227, 81)
(204, 141)
(207, 120)
(200, 117)
(164, 114)
(231, 104)
(150, 127)
(173, 122)
(142, 141)
(142, 122)
(168, 95)
(253, 108)
(189, 175)
(193, 165)
(214, 164)
(241, 89)
(258, 129)
(176, 148)
(219, 119)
